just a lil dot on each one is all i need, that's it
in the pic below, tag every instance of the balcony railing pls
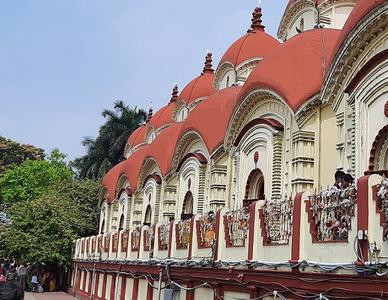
(331, 213)
(277, 219)
(332, 226)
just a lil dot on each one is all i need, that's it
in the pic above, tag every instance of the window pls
(148, 215)
(301, 24)
(121, 223)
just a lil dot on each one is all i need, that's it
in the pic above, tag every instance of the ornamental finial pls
(256, 20)
(208, 63)
(150, 113)
(174, 95)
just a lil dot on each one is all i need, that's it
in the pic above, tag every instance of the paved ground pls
(48, 296)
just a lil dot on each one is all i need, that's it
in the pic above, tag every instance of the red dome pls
(129, 167)
(110, 181)
(251, 45)
(220, 107)
(163, 116)
(199, 87)
(162, 149)
(295, 69)
(137, 137)
(256, 43)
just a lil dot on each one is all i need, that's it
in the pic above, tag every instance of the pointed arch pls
(189, 141)
(254, 188)
(378, 158)
(148, 215)
(188, 206)
(150, 168)
(260, 104)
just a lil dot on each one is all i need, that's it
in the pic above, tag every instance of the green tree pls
(32, 178)
(107, 149)
(43, 229)
(13, 153)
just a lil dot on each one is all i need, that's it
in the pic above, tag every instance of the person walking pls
(34, 282)
(22, 275)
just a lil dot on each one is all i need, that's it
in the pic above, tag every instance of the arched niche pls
(148, 216)
(151, 199)
(188, 206)
(104, 218)
(258, 161)
(123, 205)
(191, 180)
(378, 159)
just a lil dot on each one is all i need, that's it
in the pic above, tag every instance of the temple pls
(227, 191)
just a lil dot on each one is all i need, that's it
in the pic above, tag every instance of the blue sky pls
(63, 61)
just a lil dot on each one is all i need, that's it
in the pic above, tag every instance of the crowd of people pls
(27, 277)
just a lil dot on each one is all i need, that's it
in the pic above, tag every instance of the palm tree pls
(107, 149)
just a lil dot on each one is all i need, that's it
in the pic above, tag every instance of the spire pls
(208, 64)
(174, 95)
(256, 20)
(150, 113)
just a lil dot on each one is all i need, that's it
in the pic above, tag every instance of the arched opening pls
(254, 189)
(102, 227)
(378, 159)
(188, 206)
(121, 223)
(301, 24)
(148, 215)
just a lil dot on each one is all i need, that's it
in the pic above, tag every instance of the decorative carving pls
(124, 241)
(377, 144)
(135, 239)
(163, 236)
(330, 213)
(256, 157)
(347, 60)
(115, 242)
(182, 233)
(106, 243)
(276, 221)
(148, 238)
(382, 196)
(236, 225)
(206, 231)
(99, 244)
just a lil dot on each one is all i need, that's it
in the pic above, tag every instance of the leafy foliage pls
(13, 153)
(107, 149)
(43, 229)
(32, 178)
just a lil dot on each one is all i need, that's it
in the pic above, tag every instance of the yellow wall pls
(328, 152)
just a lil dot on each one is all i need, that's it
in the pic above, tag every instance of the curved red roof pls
(220, 107)
(138, 136)
(254, 44)
(295, 69)
(162, 149)
(199, 87)
(110, 180)
(163, 116)
(362, 8)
